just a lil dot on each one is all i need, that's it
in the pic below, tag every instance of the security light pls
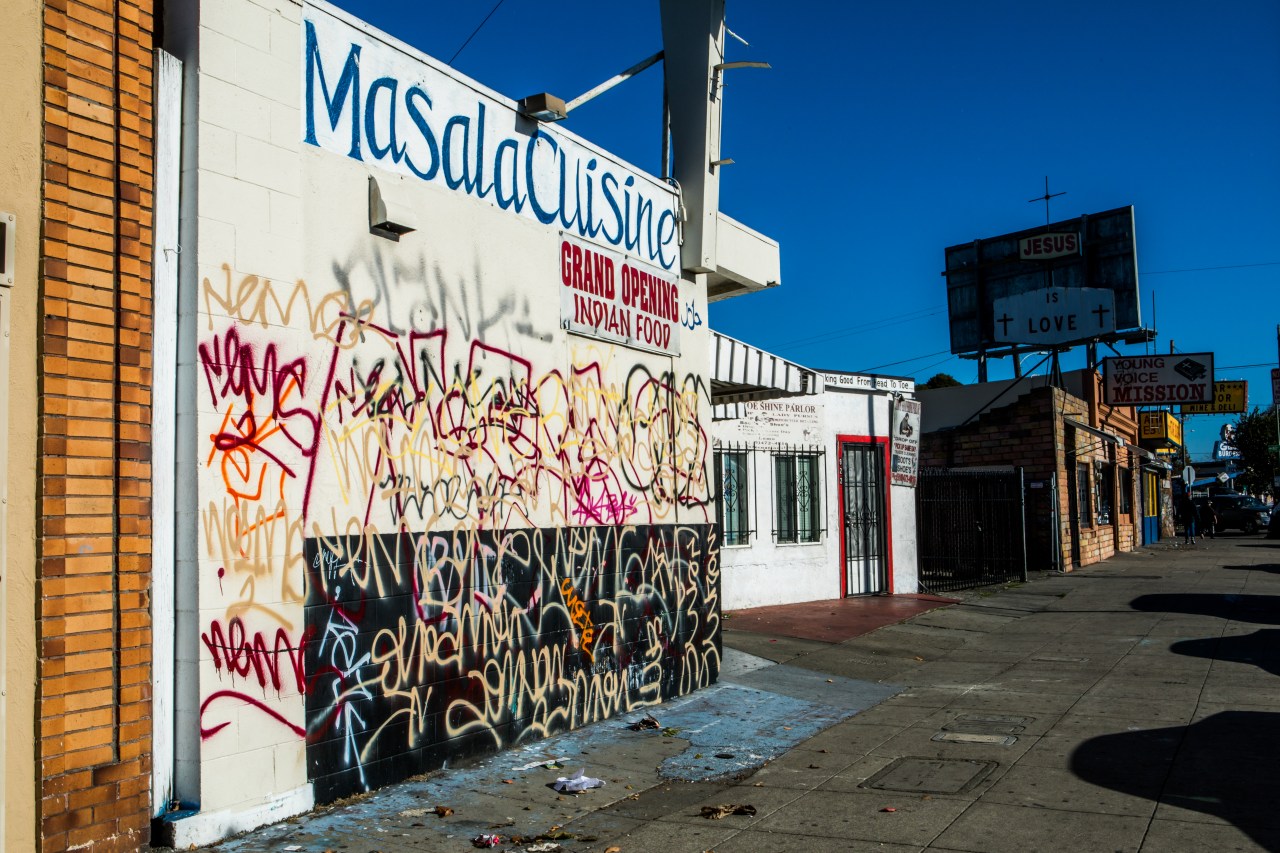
(388, 217)
(544, 107)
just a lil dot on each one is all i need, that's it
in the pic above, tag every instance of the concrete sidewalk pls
(1130, 706)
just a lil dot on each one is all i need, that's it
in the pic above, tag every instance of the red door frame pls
(883, 441)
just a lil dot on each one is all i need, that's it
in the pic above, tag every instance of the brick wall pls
(94, 543)
(1030, 432)
(1025, 433)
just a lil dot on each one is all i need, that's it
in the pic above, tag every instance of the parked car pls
(1241, 512)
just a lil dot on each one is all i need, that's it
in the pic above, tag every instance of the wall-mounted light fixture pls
(388, 214)
(544, 107)
(547, 107)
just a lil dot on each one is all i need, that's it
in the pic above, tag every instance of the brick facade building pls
(78, 436)
(1079, 458)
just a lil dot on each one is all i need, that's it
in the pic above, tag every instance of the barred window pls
(1126, 491)
(1084, 506)
(797, 497)
(1103, 488)
(735, 491)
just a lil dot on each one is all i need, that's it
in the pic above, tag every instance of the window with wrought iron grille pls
(1103, 489)
(732, 473)
(1125, 493)
(797, 493)
(1084, 506)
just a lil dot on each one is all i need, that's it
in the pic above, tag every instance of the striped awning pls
(741, 373)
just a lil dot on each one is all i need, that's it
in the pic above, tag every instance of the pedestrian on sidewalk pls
(1187, 515)
(1207, 519)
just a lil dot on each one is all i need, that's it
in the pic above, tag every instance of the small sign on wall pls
(780, 423)
(612, 297)
(905, 451)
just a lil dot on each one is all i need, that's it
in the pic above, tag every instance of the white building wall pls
(765, 572)
(862, 413)
(250, 234)
(362, 404)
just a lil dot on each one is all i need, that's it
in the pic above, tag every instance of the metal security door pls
(970, 528)
(865, 545)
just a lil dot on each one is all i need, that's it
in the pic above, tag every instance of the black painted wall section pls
(427, 647)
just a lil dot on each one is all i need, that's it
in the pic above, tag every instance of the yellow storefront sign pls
(1228, 398)
(1160, 427)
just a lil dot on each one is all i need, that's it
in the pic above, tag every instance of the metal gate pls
(971, 528)
(865, 546)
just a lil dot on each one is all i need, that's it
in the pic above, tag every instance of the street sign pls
(1188, 475)
(1229, 397)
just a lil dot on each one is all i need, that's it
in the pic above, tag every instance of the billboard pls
(1230, 397)
(1095, 252)
(1151, 380)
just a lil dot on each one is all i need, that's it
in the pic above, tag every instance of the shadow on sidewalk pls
(1222, 766)
(1258, 609)
(1272, 568)
(1261, 648)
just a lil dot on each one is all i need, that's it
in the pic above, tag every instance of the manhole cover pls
(931, 775)
(971, 737)
(988, 724)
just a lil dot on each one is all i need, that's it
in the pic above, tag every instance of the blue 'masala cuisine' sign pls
(369, 101)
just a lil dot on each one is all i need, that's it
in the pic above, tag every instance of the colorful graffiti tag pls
(428, 544)
(447, 644)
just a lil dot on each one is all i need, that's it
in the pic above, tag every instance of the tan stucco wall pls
(20, 173)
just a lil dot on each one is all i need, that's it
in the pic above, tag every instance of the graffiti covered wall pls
(432, 521)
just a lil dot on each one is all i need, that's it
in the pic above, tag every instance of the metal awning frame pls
(741, 373)
(1098, 433)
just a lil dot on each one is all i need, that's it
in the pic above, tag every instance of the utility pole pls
(1182, 428)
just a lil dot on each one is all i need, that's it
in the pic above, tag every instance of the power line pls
(920, 370)
(1207, 269)
(905, 361)
(827, 337)
(923, 312)
(477, 30)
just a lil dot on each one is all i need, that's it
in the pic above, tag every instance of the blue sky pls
(886, 132)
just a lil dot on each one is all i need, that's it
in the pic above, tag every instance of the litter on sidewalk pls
(577, 783)
(721, 811)
(647, 722)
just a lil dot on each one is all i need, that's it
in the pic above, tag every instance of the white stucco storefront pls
(808, 511)
(442, 419)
